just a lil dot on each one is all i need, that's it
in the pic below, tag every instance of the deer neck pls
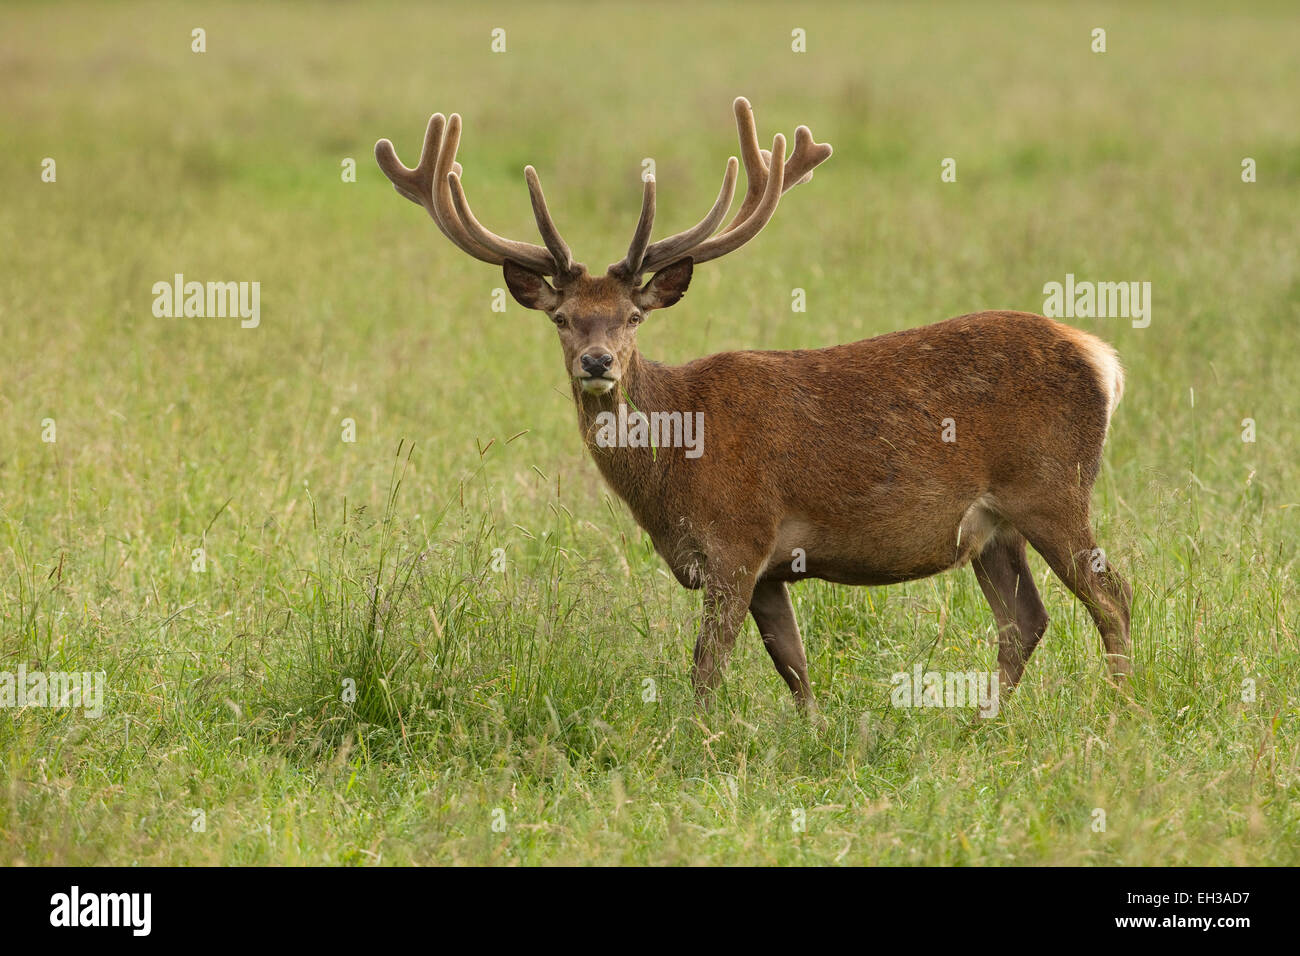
(639, 475)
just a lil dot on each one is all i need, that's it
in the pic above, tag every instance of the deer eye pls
(635, 318)
(560, 321)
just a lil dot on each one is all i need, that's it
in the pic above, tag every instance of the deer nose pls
(597, 363)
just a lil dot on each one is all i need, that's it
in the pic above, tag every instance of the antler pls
(435, 185)
(768, 174)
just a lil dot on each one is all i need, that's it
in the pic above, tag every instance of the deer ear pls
(530, 289)
(666, 286)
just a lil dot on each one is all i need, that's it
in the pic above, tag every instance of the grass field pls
(500, 714)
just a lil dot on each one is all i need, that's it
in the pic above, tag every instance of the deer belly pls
(882, 550)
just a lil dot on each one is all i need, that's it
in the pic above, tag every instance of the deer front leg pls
(774, 615)
(726, 601)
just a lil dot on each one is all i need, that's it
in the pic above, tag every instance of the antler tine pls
(435, 185)
(769, 175)
(415, 183)
(806, 157)
(630, 266)
(559, 249)
(672, 248)
(525, 253)
(756, 164)
(733, 238)
(456, 228)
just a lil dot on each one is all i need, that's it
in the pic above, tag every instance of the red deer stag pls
(885, 460)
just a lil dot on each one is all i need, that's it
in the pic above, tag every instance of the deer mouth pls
(596, 384)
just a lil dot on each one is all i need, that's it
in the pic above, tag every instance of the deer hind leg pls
(774, 614)
(1004, 577)
(1066, 543)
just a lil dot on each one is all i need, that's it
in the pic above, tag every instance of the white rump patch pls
(1105, 362)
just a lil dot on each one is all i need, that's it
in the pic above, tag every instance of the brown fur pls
(838, 452)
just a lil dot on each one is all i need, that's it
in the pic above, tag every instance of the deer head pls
(597, 316)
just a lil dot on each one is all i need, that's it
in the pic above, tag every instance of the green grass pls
(521, 690)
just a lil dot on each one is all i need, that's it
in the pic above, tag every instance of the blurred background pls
(227, 165)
